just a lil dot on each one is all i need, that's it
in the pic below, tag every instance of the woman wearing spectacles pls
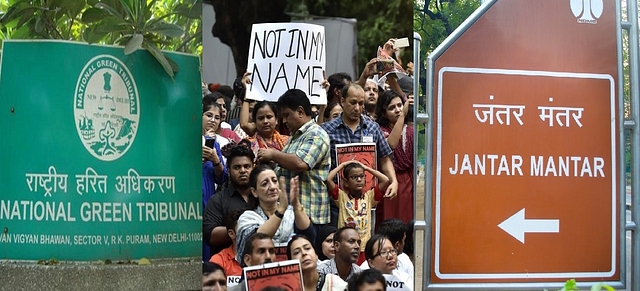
(382, 256)
(214, 171)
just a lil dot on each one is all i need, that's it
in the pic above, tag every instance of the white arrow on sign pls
(517, 225)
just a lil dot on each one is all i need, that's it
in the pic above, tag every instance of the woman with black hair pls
(300, 248)
(272, 214)
(391, 114)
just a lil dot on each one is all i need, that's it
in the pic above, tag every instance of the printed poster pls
(365, 153)
(286, 275)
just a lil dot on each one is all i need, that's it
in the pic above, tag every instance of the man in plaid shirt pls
(353, 127)
(306, 154)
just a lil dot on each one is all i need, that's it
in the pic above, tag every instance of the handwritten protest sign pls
(284, 56)
(286, 275)
(365, 153)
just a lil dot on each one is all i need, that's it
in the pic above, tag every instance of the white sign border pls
(439, 175)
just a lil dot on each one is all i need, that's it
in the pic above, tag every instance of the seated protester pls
(224, 131)
(213, 277)
(234, 196)
(382, 256)
(396, 231)
(227, 257)
(300, 248)
(347, 244)
(353, 203)
(278, 220)
(324, 243)
(258, 250)
(265, 121)
(367, 280)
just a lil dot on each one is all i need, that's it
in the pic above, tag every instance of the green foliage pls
(378, 21)
(571, 285)
(434, 20)
(41, 19)
(155, 25)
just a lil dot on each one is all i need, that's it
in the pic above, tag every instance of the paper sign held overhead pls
(284, 56)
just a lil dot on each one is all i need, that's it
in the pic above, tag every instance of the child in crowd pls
(355, 204)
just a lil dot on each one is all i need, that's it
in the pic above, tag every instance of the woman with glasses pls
(228, 134)
(214, 171)
(382, 256)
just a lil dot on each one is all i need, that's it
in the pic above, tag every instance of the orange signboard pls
(525, 150)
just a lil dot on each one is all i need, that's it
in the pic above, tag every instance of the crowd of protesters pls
(270, 177)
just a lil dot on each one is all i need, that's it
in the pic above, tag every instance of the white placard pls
(394, 283)
(284, 56)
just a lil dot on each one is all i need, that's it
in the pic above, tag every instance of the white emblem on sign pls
(587, 11)
(106, 108)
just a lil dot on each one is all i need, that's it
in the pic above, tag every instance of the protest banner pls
(394, 283)
(281, 252)
(284, 56)
(364, 153)
(286, 275)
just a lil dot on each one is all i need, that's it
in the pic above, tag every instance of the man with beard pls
(220, 205)
(258, 250)
(370, 98)
(347, 245)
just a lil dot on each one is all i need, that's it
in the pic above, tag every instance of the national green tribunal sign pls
(99, 154)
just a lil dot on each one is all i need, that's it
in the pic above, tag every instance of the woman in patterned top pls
(265, 122)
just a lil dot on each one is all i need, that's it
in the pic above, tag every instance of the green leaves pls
(166, 29)
(571, 285)
(160, 57)
(133, 44)
(149, 24)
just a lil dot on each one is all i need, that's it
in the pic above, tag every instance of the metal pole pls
(632, 16)
(420, 118)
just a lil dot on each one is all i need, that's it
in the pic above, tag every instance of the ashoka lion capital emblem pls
(106, 108)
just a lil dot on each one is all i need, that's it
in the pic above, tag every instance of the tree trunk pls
(234, 19)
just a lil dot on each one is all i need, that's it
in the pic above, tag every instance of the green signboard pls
(99, 154)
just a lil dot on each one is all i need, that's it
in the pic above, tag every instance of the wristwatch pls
(278, 214)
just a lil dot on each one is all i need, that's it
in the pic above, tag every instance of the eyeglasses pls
(392, 252)
(211, 116)
(357, 177)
